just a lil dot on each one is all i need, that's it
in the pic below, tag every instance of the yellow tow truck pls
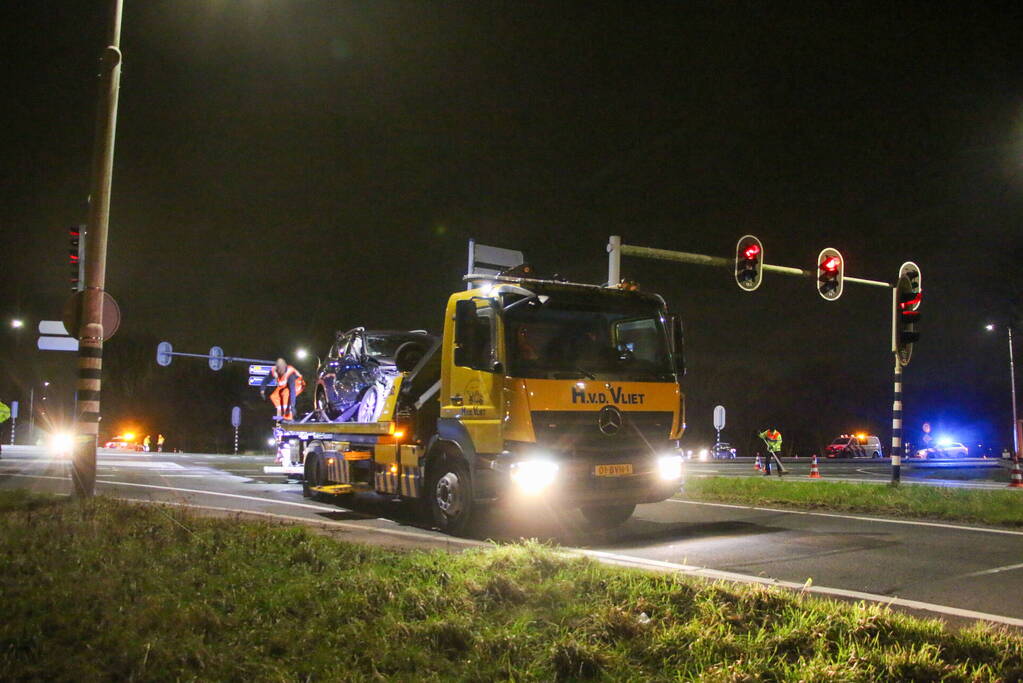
(541, 391)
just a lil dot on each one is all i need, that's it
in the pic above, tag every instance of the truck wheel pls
(607, 516)
(449, 496)
(315, 474)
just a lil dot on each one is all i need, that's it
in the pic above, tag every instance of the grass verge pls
(1003, 508)
(108, 590)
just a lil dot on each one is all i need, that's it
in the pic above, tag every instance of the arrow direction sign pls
(256, 381)
(260, 369)
(57, 344)
(53, 327)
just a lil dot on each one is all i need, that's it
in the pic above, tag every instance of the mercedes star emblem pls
(609, 420)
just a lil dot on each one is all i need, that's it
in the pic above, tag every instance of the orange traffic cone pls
(815, 473)
(757, 466)
(1016, 478)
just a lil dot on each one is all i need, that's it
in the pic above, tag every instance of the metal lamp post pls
(1012, 386)
(90, 332)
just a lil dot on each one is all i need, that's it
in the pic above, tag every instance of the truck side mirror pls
(678, 344)
(465, 332)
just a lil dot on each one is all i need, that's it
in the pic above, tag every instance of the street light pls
(17, 323)
(1012, 384)
(301, 354)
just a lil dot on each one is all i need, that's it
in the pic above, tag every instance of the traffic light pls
(830, 271)
(749, 263)
(76, 257)
(908, 295)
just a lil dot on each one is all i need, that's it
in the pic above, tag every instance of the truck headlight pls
(669, 467)
(533, 476)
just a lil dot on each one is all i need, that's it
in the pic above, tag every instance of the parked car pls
(360, 368)
(124, 442)
(854, 446)
(722, 451)
(952, 449)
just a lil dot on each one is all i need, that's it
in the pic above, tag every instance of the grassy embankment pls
(115, 591)
(982, 506)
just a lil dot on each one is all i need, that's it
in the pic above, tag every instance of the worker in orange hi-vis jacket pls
(287, 384)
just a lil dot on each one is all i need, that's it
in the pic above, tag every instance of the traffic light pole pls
(1012, 385)
(616, 249)
(90, 333)
(896, 396)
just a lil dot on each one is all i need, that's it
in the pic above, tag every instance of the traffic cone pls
(1016, 477)
(815, 473)
(757, 466)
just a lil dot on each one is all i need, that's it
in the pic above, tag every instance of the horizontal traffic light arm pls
(717, 261)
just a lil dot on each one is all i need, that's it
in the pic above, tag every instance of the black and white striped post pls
(897, 424)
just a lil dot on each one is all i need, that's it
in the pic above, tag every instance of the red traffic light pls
(831, 264)
(752, 251)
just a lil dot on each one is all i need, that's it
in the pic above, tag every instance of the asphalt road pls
(949, 570)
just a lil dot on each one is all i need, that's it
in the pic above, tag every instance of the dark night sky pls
(286, 168)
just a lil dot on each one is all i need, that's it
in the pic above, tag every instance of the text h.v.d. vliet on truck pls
(539, 392)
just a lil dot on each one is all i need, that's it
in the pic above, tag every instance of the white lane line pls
(882, 520)
(328, 522)
(202, 492)
(996, 570)
(718, 575)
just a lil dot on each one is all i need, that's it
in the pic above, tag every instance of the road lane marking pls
(996, 570)
(203, 492)
(719, 575)
(910, 522)
(329, 522)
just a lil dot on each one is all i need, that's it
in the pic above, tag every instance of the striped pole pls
(897, 425)
(90, 332)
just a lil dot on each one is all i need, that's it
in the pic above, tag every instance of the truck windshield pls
(565, 339)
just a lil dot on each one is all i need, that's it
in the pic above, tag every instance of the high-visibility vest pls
(282, 380)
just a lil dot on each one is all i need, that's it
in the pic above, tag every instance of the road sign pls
(14, 409)
(216, 358)
(236, 417)
(53, 327)
(487, 260)
(5, 412)
(260, 369)
(163, 354)
(256, 381)
(57, 344)
(719, 418)
(73, 314)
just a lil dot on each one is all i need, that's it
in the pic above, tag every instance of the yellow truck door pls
(472, 378)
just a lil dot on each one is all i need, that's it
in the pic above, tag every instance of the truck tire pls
(449, 495)
(607, 516)
(315, 473)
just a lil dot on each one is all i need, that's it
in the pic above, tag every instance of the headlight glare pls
(533, 476)
(669, 467)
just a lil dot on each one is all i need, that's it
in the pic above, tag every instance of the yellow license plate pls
(614, 470)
